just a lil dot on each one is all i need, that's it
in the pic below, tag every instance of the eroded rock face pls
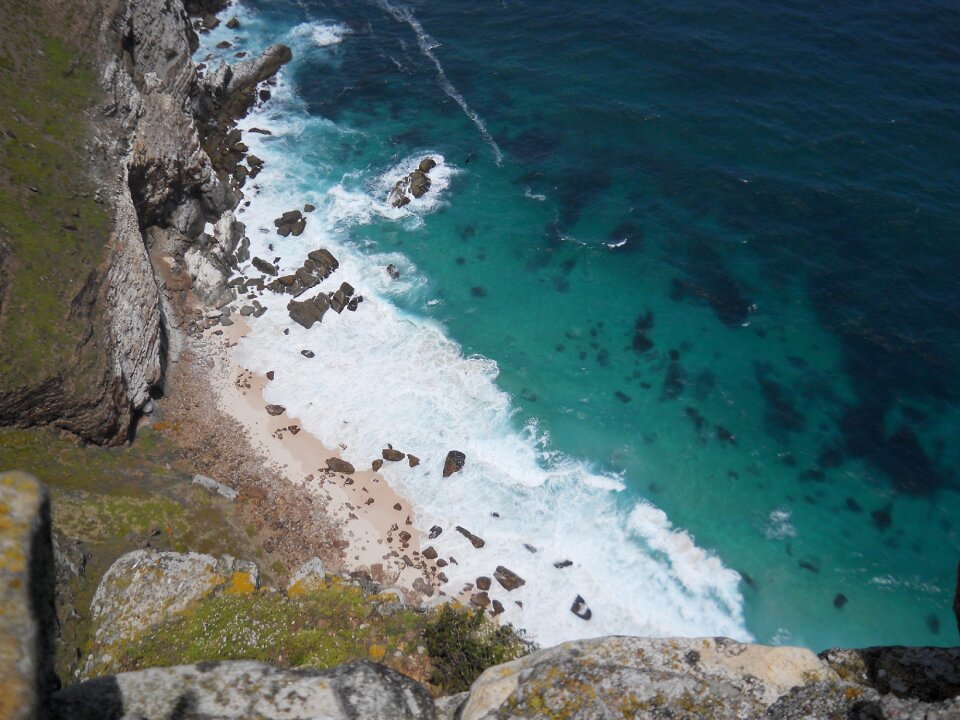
(354, 691)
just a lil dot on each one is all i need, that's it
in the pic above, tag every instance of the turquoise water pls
(692, 256)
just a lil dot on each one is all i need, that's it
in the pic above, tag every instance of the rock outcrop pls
(27, 616)
(164, 153)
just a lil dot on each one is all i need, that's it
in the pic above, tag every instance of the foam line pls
(427, 43)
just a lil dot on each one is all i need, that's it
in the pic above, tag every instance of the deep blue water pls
(712, 248)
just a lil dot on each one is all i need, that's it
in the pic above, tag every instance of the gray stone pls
(210, 484)
(240, 690)
(263, 266)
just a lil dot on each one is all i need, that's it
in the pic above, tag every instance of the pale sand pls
(372, 529)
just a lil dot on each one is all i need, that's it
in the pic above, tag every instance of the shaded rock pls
(509, 579)
(423, 587)
(377, 464)
(429, 553)
(392, 455)
(426, 165)
(434, 532)
(341, 466)
(923, 673)
(454, 462)
(238, 690)
(474, 540)
(393, 272)
(581, 609)
(275, 409)
(483, 583)
(27, 614)
(233, 23)
(413, 460)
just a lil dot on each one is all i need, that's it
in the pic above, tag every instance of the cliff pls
(104, 260)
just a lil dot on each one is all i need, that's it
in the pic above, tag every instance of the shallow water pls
(683, 291)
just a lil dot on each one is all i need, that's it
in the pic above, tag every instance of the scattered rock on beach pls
(580, 608)
(509, 579)
(413, 460)
(563, 564)
(430, 553)
(474, 540)
(393, 272)
(340, 466)
(483, 582)
(435, 532)
(454, 462)
(275, 409)
(376, 464)
(480, 599)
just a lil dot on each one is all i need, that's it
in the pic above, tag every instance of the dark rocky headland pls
(151, 564)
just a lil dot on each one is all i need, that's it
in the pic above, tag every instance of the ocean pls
(683, 290)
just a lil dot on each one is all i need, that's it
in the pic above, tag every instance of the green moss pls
(54, 229)
(330, 625)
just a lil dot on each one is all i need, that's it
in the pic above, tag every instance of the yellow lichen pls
(241, 583)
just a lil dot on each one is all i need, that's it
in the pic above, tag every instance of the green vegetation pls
(115, 500)
(53, 229)
(329, 624)
(462, 644)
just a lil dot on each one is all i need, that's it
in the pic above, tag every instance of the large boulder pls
(239, 690)
(453, 463)
(230, 91)
(145, 587)
(27, 615)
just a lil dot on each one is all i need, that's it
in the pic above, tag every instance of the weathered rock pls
(377, 464)
(483, 583)
(392, 455)
(231, 90)
(474, 540)
(275, 409)
(340, 466)
(454, 463)
(27, 614)
(308, 312)
(210, 484)
(480, 599)
(429, 553)
(263, 266)
(509, 579)
(423, 587)
(426, 165)
(309, 577)
(925, 673)
(240, 690)
(145, 587)
(393, 272)
(581, 609)
(419, 184)
(233, 23)
(412, 460)
(639, 677)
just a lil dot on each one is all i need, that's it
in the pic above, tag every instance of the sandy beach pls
(376, 524)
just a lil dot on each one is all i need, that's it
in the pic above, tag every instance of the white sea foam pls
(778, 525)
(427, 45)
(381, 375)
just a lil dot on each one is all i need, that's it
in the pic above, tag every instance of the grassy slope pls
(53, 228)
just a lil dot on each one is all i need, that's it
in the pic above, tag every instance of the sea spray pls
(381, 375)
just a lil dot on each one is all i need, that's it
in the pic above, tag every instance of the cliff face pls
(145, 153)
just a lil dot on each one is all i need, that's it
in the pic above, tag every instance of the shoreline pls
(362, 505)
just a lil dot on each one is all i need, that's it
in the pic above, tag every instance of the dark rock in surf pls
(426, 165)
(434, 532)
(392, 455)
(484, 583)
(474, 540)
(263, 266)
(580, 608)
(275, 409)
(454, 463)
